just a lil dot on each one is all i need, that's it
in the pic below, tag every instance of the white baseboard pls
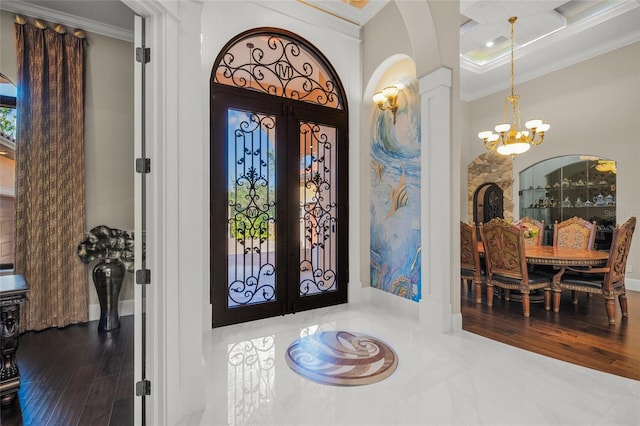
(388, 302)
(125, 307)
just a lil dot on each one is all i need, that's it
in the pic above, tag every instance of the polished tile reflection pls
(250, 378)
(446, 379)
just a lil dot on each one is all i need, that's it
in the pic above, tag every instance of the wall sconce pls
(387, 100)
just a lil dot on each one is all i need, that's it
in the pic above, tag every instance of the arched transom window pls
(279, 65)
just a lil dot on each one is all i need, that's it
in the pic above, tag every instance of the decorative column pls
(435, 311)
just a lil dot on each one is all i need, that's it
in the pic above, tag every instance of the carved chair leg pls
(547, 299)
(610, 306)
(557, 295)
(574, 296)
(526, 304)
(467, 283)
(489, 295)
(478, 291)
(623, 304)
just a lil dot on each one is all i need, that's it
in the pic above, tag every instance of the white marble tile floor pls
(441, 379)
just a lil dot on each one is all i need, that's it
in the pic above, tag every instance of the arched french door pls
(488, 203)
(278, 179)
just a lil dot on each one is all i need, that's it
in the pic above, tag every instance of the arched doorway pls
(278, 178)
(488, 203)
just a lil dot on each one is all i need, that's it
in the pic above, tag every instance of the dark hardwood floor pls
(579, 334)
(74, 376)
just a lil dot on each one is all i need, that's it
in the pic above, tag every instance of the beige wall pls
(108, 131)
(8, 63)
(593, 108)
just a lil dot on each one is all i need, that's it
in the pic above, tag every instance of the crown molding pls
(553, 38)
(75, 22)
(552, 66)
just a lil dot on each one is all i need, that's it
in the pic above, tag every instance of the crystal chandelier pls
(510, 139)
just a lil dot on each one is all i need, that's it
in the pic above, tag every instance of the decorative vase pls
(107, 278)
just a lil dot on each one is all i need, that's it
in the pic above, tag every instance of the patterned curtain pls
(50, 203)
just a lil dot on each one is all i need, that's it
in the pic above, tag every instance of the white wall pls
(108, 153)
(593, 108)
(108, 134)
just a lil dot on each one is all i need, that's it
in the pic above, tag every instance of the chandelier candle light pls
(510, 139)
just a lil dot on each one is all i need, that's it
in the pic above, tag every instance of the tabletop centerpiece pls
(529, 231)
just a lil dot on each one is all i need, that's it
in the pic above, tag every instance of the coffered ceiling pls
(549, 34)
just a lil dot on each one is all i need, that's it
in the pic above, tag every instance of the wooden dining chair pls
(574, 233)
(504, 253)
(471, 270)
(609, 280)
(534, 228)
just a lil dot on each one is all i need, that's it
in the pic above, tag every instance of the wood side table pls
(13, 292)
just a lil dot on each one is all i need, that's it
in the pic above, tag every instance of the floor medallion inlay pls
(341, 358)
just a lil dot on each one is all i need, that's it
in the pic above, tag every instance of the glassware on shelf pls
(610, 200)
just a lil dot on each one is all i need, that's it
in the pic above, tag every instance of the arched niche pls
(562, 187)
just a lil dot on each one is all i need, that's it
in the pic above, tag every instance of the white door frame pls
(174, 361)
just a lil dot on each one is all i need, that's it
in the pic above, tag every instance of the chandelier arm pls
(490, 146)
(539, 141)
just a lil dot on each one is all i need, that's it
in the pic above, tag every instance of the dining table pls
(560, 258)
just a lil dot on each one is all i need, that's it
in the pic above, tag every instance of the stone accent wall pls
(491, 168)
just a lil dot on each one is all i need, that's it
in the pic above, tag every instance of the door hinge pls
(143, 276)
(143, 165)
(143, 54)
(143, 388)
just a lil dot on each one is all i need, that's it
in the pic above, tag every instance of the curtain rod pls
(59, 28)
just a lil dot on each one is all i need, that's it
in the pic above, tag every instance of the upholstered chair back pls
(620, 246)
(469, 256)
(504, 249)
(574, 233)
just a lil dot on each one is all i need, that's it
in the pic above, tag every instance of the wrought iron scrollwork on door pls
(280, 66)
(252, 210)
(318, 209)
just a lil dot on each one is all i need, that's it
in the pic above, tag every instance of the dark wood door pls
(488, 203)
(279, 206)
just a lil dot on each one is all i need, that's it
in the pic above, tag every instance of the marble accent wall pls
(491, 168)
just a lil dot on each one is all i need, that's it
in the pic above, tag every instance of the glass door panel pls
(318, 209)
(252, 208)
